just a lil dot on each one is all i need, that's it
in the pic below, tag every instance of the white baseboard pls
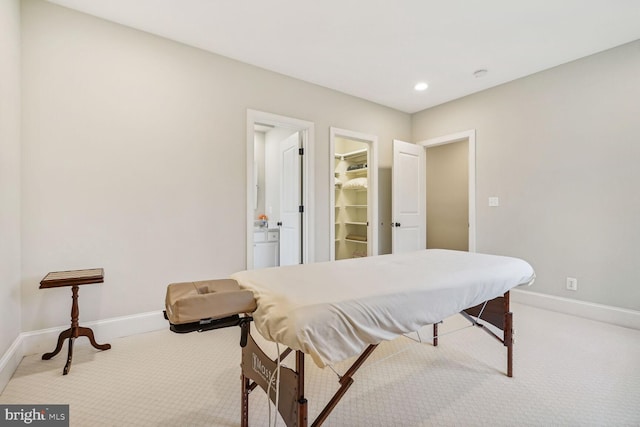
(10, 361)
(588, 310)
(44, 340)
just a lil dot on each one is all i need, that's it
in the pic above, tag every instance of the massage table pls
(333, 311)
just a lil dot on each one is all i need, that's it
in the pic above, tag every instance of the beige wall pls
(134, 159)
(448, 196)
(561, 150)
(133, 154)
(9, 172)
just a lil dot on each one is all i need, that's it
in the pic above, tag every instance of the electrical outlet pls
(572, 283)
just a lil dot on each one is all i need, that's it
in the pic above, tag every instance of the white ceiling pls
(378, 50)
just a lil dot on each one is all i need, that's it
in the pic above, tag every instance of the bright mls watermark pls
(34, 415)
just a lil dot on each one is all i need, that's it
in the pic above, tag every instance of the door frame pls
(372, 193)
(307, 130)
(470, 136)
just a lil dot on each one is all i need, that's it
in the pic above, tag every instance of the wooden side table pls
(73, 278)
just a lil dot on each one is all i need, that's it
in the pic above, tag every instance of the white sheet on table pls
(334, 310)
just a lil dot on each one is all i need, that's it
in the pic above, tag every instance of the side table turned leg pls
(63, 336)
(67, 366)
(72, 333)
(87, 332)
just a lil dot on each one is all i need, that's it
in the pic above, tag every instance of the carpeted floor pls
(568, 371)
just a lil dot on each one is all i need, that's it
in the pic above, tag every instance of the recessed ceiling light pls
(421, 86)
(480, 73)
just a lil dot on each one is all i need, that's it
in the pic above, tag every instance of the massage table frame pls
(257, 367)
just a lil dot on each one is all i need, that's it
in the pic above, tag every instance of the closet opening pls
(354, 203)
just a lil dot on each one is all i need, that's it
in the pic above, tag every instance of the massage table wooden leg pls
(435, 334)
(508, 334)
(301, 420)
(508, 341)
(497, 313)
(507, 330)
(345, 382)
(302, 401)
(244, 417)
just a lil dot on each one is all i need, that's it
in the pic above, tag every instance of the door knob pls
(279, 223)
(397, 224)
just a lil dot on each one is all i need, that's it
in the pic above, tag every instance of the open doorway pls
(354, 201)
(410, 221)
(451, 190)
(279, 186)
(448, 196)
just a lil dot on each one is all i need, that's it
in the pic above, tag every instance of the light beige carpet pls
(568, 372)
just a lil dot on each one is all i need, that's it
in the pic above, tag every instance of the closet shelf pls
(355, 223)
(361, 171)
(351, 154)
(356, 206)
(356, 241)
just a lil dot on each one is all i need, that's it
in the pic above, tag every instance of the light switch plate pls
(494, 201)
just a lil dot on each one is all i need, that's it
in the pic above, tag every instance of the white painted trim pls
(44, 340)
(470, 136)
(372, 194)
(308, 133)
(10, 361)
(588, 310)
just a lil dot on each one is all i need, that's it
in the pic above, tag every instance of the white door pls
(408, 210)
(290, 189)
